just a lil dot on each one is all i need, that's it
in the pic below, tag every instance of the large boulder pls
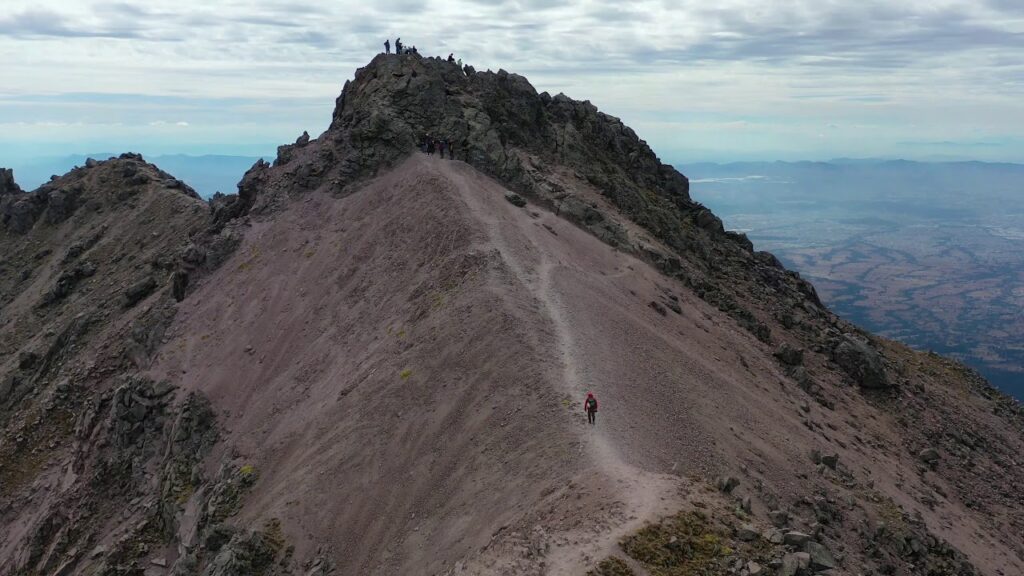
(860, 361)
(821, 558)
(19, 211)
(789, 355)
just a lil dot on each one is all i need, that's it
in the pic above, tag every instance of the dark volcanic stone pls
(860, 361)
(138, 291)
(788, 355)
(516, 200)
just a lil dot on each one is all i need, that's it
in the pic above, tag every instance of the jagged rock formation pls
(370, 361)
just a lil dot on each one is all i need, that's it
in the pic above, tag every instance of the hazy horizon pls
(33, 172)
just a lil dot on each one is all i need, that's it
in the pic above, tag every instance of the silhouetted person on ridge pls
(387, 46)
(590, 405)
(398, 46)
(451, 57)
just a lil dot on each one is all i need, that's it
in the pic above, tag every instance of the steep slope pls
(85, 263)
(371, 361)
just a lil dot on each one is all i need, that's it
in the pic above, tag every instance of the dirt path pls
(642, 495)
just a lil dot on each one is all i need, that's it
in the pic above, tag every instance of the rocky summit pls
(371, 360)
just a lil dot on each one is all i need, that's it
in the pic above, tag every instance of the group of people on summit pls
(399, 47)
(402, 49)
(429, 145)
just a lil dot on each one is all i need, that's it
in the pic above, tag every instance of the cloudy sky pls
(724, 80)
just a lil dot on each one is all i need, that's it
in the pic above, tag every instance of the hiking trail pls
(643, 496)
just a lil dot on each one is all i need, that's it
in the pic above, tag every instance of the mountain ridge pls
(239, 372)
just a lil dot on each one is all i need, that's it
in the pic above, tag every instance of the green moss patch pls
(613, 566)
(686, 544)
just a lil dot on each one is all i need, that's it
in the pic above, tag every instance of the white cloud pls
(684, 70)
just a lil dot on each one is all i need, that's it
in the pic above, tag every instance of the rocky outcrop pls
(7, 184)
(18, 211)
(542, 146)
(860, 361)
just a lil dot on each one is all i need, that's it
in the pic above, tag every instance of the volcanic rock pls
(860, 361)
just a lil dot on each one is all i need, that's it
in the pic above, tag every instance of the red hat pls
(590, 394)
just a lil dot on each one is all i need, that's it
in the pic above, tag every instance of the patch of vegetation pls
(613, 566)
(22, 460)
(686, 544)
(226, 499)
(437, 300)
(405, 374)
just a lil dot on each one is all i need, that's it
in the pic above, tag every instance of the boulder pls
(60, 204)
(19, 213)
(830, 460)
(820, 557)
(27, 360)
(138, 291)
(790, 565)
(860, 361)
(724, 483)
(796, 539)
(789, 355)
(515, 199)
(747, 533)
(929, 456)
(779, 518)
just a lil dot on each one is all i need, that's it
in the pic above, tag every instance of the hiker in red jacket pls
(590, 405)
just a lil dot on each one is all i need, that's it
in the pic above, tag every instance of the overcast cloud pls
(726, 80)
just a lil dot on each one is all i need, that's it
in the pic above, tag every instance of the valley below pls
(900, 248)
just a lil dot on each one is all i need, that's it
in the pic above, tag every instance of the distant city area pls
(931, 254)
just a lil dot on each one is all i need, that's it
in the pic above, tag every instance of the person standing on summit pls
(590, 405)
(398, 45)
(387, 46)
